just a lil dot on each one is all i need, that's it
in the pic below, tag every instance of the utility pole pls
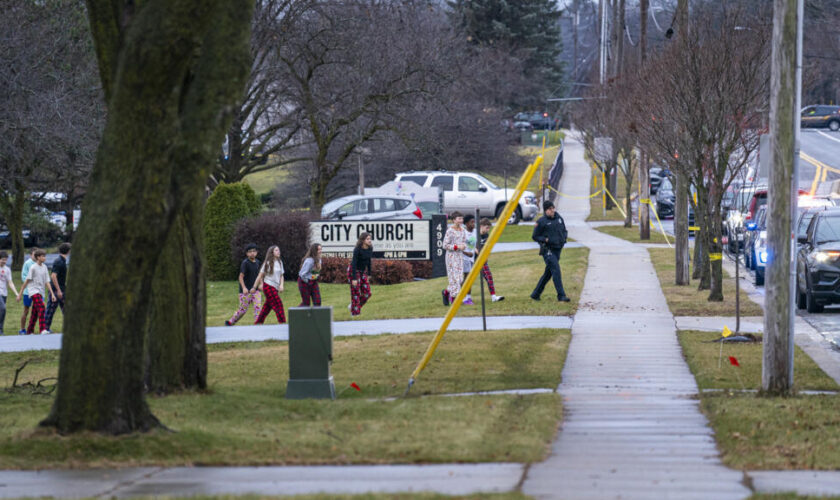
(785, 103)
(682, 275)
(602, 12)
(575, 24)
(644, 164)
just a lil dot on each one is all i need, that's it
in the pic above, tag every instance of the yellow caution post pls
(476, 268)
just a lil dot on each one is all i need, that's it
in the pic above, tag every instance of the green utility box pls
(310, 353)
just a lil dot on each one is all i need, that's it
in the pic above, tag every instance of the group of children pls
(460, 245)
(268, 277)
(39, 286)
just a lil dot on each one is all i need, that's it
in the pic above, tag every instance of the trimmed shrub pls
(228, 204)
(384, 272)
(334, 270)
(421, 268)
(252, 201)
(288, 230)
(390, 272)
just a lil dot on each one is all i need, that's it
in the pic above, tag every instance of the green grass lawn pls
(632, 234)
(517, 233)
(755, 432)
(515, 275)
(244, 419)
(688, 301)
(267, 180)
(702, 357)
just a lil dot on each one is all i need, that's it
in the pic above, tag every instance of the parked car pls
(755, 231)
(370, 207)
(665, 198)
(465, 192)
(818, 261)
(821, 116)
(734, 224)
(656, 176)
(539, 121)
(29, 239)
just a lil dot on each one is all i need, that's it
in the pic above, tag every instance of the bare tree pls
(51, 113)
(705, 102)
(265, 131)
(348, 98)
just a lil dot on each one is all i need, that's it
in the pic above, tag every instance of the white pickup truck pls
(464, 192)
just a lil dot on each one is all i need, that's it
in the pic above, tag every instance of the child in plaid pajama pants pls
(310, 268)
(271, 279)
(249, 271)
(484, 230)
(358, 272)
(38, 278)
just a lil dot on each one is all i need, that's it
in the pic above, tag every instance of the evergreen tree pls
(529, 27)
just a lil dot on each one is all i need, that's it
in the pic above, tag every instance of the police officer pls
(550, 232)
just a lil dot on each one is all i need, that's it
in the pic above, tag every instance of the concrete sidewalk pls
(261, 333)
(632, 428)
(448, 479)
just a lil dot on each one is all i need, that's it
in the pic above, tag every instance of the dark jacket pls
(550, 232)
(361, 260)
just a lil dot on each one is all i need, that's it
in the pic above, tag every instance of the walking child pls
(454, 242)
(38, 283)
(469, 252)
(271, 279)
(6, 282)
(249, 270)
(58, 276)
(27, 301)
(358, 273)
(310, 268)
(484, 232)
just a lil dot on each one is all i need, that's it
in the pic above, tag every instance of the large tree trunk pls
(701, 220)
(715, 253)
(785, 85)
(176, 347)
(171, 71)
(681, 230)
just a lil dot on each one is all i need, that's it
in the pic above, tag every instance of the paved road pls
(823, 146)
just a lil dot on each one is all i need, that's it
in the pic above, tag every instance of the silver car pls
(370, 207)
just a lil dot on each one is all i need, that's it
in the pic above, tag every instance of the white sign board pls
(392, 239)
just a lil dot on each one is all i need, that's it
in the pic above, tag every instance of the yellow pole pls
(501, 223)
(604, 191)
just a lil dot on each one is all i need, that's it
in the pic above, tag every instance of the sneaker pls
(497, 298)
(535, 298)
(445, 294)
(21, 332)
(45, 332)
(564, 299)
(228, 323)
(468, 302)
